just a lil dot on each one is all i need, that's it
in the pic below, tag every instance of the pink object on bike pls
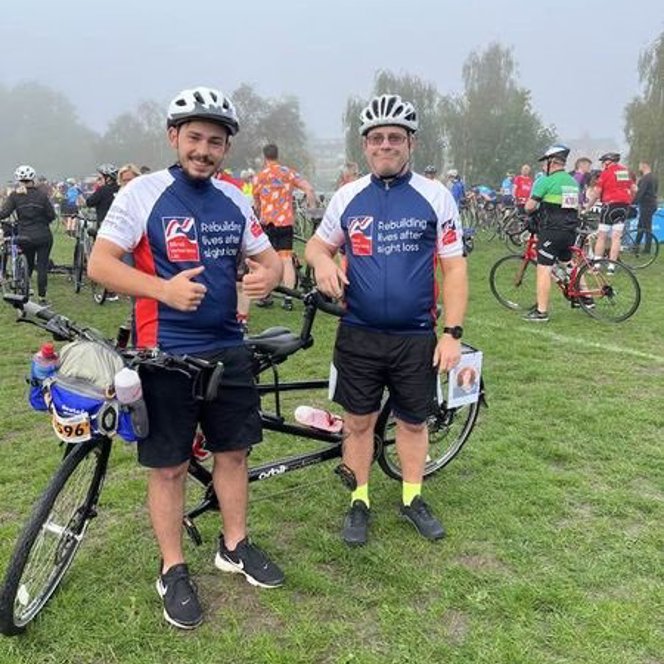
(319, 419)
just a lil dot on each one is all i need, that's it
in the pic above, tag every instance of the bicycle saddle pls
(275, 341)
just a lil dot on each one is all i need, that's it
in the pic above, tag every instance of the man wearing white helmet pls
(187, 232)
(35, 212)
(392, 225)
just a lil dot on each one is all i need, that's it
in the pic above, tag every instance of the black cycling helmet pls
(430, 170)
(610, 156)
(558, 151)
(203, 104)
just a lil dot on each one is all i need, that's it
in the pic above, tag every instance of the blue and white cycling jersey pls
(392, 235)
(172, 223)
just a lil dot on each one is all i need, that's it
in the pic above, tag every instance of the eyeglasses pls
(376, 140)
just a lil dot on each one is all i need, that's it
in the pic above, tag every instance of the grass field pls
(554, 509)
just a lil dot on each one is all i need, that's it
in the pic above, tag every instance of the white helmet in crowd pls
(203, 104)
(24, 173)
(453, 173)
(388, 110)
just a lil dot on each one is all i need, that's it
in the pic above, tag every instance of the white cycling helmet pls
(203, 104)
(388, 110)
(453, 173)
(24, 173)
(109, 170)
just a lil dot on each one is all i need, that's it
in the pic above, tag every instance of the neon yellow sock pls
(410, 491)
(361, 493)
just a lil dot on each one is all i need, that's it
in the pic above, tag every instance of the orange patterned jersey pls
(273, 193)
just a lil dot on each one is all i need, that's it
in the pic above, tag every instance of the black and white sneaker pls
(251, 561)
(181, 606)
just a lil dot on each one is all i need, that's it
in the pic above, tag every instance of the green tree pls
(491, 127)
(644, 115)
(425, 98)
(40, 127)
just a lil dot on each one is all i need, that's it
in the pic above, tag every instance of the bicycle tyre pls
(512, 283)
(631, 254)
(39, 562)
(603, 287)
(22, 283)
(449, 430)
(79, 261)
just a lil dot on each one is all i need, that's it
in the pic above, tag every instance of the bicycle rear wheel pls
(513, 282)
(634, 253)
(52, 536)
(608, 291)
(449, 429)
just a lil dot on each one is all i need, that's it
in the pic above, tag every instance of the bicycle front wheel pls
(51, 538)
(608, 290)
(639, 254)
(513, 282)
(449, 429)
(79, 266)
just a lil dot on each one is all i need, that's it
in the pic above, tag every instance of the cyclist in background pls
(349, 173)
(273, 201)
(73, 198)
(430, 172)
(390, 224)
(127, 173)
(187, 231)
(581, 174)
(555, 198)
(646, 199)
(521, 187)
(34, 212)
(615, 189)
(506, 193)
(457, 187)
(102, 197)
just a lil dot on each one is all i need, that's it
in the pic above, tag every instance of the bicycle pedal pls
(347, 476)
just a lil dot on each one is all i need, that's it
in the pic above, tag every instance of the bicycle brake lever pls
(347, 476)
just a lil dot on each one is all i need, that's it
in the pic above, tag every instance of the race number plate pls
(72, 429)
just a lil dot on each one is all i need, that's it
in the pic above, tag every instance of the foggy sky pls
(578, 58)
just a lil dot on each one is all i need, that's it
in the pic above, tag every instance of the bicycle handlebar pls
(315, 299)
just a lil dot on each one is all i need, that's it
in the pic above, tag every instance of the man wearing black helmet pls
(555, 198)
(615, 189)
(394, 225)
(187, 232)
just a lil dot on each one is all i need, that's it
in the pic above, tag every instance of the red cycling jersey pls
(615, 185)
(522, 186)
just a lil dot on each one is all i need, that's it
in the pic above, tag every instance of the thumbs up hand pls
(258, 281)
(181, 292)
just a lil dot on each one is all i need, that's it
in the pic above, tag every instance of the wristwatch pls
(455, 332)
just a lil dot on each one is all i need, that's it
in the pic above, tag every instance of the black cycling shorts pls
(554, 245)
(281, 237)
(229, 422)
(367, 362)
(614, 213)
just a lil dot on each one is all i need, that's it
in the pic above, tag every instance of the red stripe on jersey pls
(146, 310)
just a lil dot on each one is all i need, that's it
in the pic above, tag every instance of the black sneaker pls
(536, 316)
(251, 561)
(287, 304)
(181, 605)
(356, 524)
(426, 524)
(265, 302)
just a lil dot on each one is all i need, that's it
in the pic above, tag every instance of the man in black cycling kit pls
(186, 231)
(394, 226)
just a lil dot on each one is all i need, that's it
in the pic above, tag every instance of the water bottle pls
(129, 392)
(45, 362)
(318, 419)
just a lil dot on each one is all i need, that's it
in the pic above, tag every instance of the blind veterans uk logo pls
(181, 239)
(359, 232)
